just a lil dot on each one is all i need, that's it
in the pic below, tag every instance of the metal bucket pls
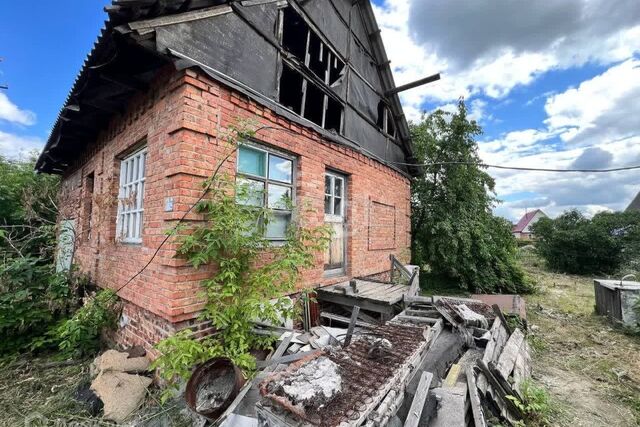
(213, 387)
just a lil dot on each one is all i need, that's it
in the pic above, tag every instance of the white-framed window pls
(131, 197)
(333, 194)
(269, 176)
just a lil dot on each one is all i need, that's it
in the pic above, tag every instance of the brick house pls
(142, 128)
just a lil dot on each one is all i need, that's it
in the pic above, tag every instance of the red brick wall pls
(184, 119)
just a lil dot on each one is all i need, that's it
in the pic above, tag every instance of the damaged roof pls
(635, 204)
(123, 63)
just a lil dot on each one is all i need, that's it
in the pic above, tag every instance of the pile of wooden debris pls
(440, 362)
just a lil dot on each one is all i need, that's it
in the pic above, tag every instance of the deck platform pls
(371, 296)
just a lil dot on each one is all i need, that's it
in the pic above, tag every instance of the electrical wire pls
(521, 168)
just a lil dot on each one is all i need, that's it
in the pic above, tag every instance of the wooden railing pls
(402, 275)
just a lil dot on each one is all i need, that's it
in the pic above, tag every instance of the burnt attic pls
(320, 63)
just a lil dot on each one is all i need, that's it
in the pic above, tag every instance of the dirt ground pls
(590, 368)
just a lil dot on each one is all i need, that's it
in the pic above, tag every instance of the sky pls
(554, 84)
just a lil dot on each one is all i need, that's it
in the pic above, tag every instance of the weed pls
(535, 404)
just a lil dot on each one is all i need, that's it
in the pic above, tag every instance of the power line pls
(522, 168)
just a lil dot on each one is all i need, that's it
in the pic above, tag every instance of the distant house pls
(522, 230)
(635, 204)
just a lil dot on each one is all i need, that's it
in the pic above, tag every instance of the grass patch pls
(42, 391)
(572, 345)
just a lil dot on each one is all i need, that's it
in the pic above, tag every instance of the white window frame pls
(266, 181)
(129, 224)
(334, 177)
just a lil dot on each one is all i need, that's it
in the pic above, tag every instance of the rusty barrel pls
(213, 387)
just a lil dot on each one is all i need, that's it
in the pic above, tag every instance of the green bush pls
(575, 244)
(80, 335)
(32, 298)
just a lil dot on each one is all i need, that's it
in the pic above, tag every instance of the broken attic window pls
(294, 33)
(386, 121)
(333, 118)
(314, 104)
(291, 89)
(303, 95)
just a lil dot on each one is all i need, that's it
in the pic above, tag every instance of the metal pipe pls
(426, 80)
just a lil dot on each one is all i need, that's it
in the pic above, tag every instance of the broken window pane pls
(280, 169)
(252, 161)
(297, 92)
(336, 70)
(333, 116)
(314, 104)
(294, 33)
(291, 89)
(318, 57)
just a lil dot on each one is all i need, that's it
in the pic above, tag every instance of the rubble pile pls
(440, 362)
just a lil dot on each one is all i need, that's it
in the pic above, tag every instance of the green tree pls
(453, 228)
(575, 244)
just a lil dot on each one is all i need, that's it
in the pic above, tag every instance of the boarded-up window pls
(382, 226)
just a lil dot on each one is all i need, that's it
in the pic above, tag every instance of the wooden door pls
(334, 217)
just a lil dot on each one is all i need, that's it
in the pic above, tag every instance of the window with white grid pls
(131, 197)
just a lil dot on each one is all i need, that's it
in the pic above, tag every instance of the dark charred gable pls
(320, 63)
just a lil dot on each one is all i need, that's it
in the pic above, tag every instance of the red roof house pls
(522, 230)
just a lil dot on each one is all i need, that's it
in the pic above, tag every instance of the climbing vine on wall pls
(251, 274)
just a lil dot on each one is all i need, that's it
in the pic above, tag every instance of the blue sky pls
(554, 84)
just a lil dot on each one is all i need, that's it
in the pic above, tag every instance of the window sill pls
(129, 243)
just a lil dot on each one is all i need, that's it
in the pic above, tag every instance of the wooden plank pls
(180, 18)
(474, 399)
(498, 312)
(421, 313)
(494, 348)
(346, 320)
(522, 368)
(452, 376)
(508, 356)
(414, 282)
(282, 347)
(419, 400)
(352, 324)
(364, 304)
(418, 299)
(507, 407)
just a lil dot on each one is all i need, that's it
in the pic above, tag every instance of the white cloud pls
(490, 47)
(593, 126)
(15, 146)
(603, 108)
(12, 113)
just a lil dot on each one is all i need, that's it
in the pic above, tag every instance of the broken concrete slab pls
(451, 406)
(121, 393)
(510, 304)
